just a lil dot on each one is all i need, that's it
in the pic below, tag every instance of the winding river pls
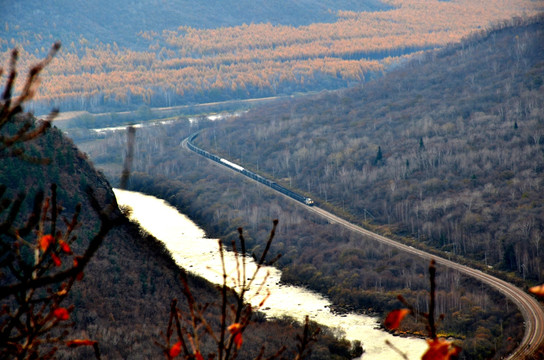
(191, 249)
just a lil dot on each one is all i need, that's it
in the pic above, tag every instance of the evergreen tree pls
(379, 156)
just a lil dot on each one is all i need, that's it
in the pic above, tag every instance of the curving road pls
(532, 311)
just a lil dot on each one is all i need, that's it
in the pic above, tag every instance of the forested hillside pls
(447, 150)
(123, 299)
(154, 54)
(443, 153)
(354, 273)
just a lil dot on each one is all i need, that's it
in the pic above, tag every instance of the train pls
(250, 174)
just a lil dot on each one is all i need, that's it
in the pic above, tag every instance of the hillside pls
(106, 22)
(145, 53)
(123, 300)
(447, 150)
(444, 153)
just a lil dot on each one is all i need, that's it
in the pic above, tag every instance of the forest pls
(453, 159)
(444, 153)
(187, 64)
(437, 142)
(54, 208)
(354, 273)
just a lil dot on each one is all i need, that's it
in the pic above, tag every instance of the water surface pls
(197, 254)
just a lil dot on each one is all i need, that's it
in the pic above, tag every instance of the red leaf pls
(175, 350)
(79, 276)
(538, 290)
(238, 340)
(198, 356)
(56, 259)
(440, 349)
(65, 247)
(236, 330)
(80, 342)
(46, 241)
(61, 314)
(393, 319)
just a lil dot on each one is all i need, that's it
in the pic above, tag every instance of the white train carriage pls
(232, 165)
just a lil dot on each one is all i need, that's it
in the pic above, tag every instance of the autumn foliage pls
(440, 349)
(39, 275)
(537, 290)
(395, 317)
(191, 64)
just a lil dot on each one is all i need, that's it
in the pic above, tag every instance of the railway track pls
(532, 311)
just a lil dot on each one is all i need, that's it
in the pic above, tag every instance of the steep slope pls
(448, 149)
(123, 300)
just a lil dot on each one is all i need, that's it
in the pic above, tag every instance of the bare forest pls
(444, 154)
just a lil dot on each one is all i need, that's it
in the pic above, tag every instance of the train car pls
(257, 177)
(232, 165)
(250, 174)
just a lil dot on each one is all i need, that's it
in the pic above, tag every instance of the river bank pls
(191, 249)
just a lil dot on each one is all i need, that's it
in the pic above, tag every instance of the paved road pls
(532, 311)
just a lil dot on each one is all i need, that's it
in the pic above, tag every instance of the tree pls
(10, 107)
(439, 349)
(379, 156)
(36, 276)
(189, 328)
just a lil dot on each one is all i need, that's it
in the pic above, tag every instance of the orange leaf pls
(56, 259)
(61, 314)
(440, 349)
(62, 292)
(46, 241)
(175, 350)
(80, 342)
(538, 290)
(236, 330)
(393, 319)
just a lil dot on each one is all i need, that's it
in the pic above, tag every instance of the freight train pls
(250, 174)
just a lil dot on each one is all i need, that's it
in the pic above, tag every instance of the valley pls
(395, 132)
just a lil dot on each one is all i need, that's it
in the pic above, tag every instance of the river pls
(199, 255)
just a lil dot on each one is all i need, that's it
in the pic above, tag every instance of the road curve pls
(532, 311)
